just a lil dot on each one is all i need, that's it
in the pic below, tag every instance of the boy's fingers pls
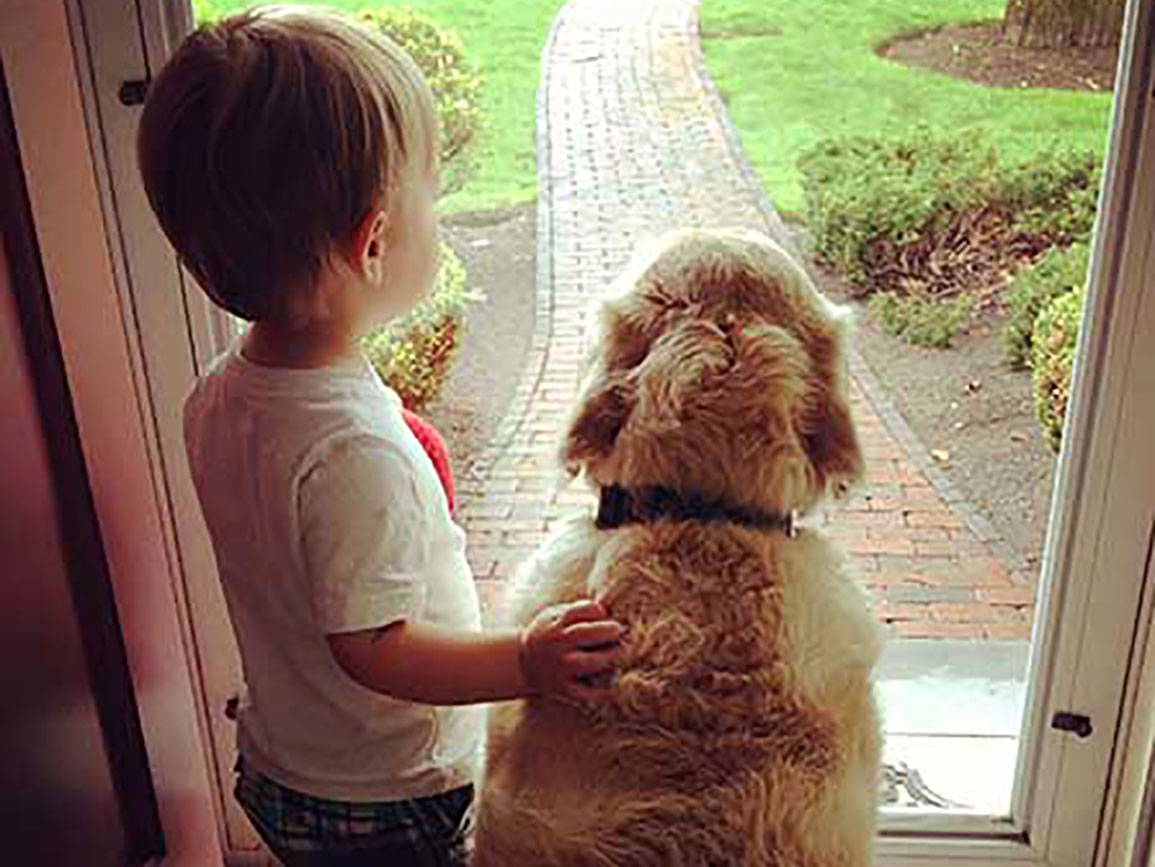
(588, 662)
(553, 612)
(582, 611)
(593, 634)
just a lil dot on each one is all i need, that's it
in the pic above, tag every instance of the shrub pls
(923, 321)
(1058, 272)
(1053, 353)
(863, 193)
(940, 213)
(413, 354)
(456, 85)
(210, 10)
(1054, 194)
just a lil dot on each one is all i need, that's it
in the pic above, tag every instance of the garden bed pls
(948, 241)
(968, 405)
(978, 52)
(795, 73)
(932, 164)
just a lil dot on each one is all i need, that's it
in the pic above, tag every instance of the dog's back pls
(740, 730)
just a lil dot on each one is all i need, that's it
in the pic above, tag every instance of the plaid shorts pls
(303, 830)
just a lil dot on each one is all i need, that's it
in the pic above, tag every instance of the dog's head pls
(717, 368)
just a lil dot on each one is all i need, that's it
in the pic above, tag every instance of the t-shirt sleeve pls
(362, 536)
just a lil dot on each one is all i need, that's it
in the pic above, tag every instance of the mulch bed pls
(969, 406)
(978, 52)
(976, 253)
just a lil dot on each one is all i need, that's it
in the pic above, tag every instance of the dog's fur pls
(741, 729)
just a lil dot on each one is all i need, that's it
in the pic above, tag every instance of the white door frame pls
(1090, 622)
(172, 334)
(1101, 516)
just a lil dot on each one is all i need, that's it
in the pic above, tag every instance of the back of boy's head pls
(265, 141)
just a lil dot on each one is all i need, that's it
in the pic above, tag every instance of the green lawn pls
(504, 38)
(795, 72)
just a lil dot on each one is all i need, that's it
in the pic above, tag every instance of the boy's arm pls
(432, 665)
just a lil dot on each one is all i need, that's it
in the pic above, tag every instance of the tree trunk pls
(1063, 23)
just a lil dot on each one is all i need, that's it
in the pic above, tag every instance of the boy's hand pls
(567, 645)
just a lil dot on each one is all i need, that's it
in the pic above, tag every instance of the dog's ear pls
(602, 411)
(831, 441)
(829, 434)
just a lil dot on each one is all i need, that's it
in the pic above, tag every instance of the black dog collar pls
(620, 506)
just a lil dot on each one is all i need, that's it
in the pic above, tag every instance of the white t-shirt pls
(327, 516)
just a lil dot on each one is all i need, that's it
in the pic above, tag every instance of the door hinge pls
(1078, 724)
(133, 92)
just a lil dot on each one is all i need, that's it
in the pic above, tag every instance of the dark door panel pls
(74, 782)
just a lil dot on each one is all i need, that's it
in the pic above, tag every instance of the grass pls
(793, 73)
(504, 38)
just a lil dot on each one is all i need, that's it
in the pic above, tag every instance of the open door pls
(1058, 757)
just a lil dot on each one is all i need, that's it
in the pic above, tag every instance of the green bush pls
(1053, 353)
(874, 205)
(456, 85)
(211, 10)
(862, 193)
(1055, 194)
(1058, 272)
(923, 321)
(413, 354)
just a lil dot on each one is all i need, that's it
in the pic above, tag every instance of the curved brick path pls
(632, 141)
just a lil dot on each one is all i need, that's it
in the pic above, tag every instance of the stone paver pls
(633, 140)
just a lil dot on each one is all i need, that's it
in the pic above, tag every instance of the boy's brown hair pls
(267, 138)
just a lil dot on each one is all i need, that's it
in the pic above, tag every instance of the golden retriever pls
(741, 728)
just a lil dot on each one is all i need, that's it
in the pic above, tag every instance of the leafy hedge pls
(1055, 195)
(861, 193)
(926, 217)
(919, 320)
(1052, 358)
(413, 354)
(1059, 271)
(889, 212)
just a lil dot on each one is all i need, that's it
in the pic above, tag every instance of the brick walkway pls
(632, 140)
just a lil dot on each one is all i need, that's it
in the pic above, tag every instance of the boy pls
(290, 159)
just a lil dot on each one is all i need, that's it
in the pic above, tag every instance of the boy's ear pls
(367, 254)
